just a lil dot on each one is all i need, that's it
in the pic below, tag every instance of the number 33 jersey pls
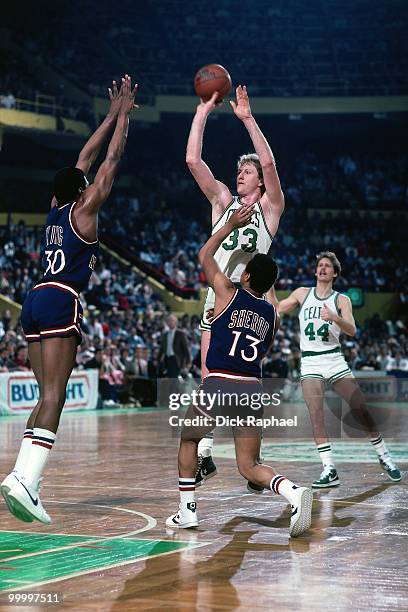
(65, 256)
(243, 243)
(316, 335)
(241, 335)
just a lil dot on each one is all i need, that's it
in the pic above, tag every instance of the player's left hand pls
(241, 107)
(327, 314)
(115, 99)
(242, 216)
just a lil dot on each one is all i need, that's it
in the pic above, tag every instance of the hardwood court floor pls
(112, 481)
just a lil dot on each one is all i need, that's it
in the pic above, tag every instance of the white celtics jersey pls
(241, 245)
(316, 335)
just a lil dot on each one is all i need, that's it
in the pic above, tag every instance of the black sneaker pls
(206, 469)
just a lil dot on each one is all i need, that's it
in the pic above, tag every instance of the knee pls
(245, 467)
(53, 400)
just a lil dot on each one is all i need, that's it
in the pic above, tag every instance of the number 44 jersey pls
(65, 256)
(316, 335)
(241, 335)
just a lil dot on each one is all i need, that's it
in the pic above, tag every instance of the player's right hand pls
(242, 216)
(207, 107)
(127, 95)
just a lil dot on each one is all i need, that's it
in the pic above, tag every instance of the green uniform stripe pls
(336, 305)
(340, 374)
(317, 353)
(311, 376)
(324, 298)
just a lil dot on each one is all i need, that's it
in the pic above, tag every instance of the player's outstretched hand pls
(115, 99)
(207, 107)
(242, 216)
(241, 107)
(127, 95)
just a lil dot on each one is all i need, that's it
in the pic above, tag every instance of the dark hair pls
(263, 271)
(253, 158)
(67, 183)
(332, 257)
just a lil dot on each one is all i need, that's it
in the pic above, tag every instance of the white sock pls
(205, 445)
(283, 486)
(187, 490)
(379, 446)
(24, 451)
(41, 444)
(325, 454)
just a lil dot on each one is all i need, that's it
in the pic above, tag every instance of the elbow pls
(192, 162)
(201, 255)
(353, 331)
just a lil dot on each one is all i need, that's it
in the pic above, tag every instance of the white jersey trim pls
(75, 232)
(225, 307)
(58, 285)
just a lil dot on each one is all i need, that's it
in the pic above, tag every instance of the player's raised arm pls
(91, 150)
(206, 257)
(95, 195)
(92, 147)
(216, 192)
(272, 201)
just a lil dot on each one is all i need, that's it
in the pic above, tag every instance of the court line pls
(87, 535)
(30, 585)
(151, 523)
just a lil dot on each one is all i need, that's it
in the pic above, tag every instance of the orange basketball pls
(212, 78)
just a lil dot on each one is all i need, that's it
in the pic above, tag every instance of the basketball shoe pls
(206, 469)
(25, 500)
(301, 517)
(389, 466)
(328, 478)
(185, 518)
(5, 487)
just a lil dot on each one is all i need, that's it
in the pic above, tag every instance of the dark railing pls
(150, 270)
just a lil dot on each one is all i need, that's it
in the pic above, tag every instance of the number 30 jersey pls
(65, 256)
(316, 335)
(241, 335)
(243, 243)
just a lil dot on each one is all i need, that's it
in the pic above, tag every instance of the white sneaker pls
(185, 518)
(5, 487)
(25, 501)
(301, 517)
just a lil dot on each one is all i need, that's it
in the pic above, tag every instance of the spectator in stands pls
(174, 349)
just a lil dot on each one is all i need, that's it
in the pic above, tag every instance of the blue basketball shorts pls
(51, 310)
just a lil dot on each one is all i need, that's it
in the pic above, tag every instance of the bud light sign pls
(20, 391)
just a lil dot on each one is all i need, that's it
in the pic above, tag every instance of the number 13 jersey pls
(316, 335)
(65, 256)
(241, 335)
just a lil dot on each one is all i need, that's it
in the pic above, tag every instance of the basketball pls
(212, 78)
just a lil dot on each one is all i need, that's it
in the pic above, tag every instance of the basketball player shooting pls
(258, 184)
(243, 329)
(51, 314)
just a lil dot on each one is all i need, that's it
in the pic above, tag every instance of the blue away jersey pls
(65, 256)
(241, 335)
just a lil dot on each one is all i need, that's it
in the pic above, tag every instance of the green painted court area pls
(29, 558)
